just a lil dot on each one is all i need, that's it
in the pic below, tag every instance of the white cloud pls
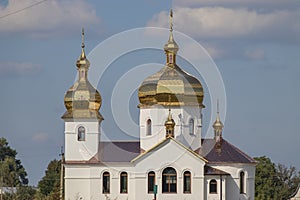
(223, 23)
(19, 68)
(53, 16)
(40, 137)
(260, 3)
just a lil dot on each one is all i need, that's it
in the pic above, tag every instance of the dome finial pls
(82, 38)
(171, 48)
(82, 60)
(171, 20)
(218, 125)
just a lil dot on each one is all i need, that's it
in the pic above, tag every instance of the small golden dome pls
(218, 124)
(82, 100)
(170, 124)
(170, 121)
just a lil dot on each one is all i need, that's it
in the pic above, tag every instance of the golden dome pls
(170, 124)
(171, 86)
(82, 100)
(218, 125)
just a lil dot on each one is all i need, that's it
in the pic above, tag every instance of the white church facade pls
(171, 161)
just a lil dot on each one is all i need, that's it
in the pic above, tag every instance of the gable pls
(168, 152)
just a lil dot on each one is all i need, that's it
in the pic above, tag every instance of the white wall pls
(159, 115)
(233, 181)
(81, 150)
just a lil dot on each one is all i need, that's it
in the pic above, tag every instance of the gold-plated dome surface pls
(82, 100)
(218, 124)
(171, 86)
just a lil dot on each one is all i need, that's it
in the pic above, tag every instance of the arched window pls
(106, 183)
(123, 182)
(187, 182)
(148, 127)
(242, 182)
(151, 181)
(191, 126)
(169, 180)
(213, 186)
(81, 133)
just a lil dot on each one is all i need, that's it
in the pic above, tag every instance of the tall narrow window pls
(81, 133)
(123, 182)
(151, 182)
(191, 126)
(106, 183)
(242, 182)
(187, 182)
(169, 180)
(213, 186)
(148, 127)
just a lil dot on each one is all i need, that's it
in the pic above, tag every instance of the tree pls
(13, 175)
(12, 171)
(265, 179)
(289, 179)
(274, 181)
(49, 186)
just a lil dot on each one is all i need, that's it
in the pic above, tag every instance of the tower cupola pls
(218, 126)
(82, 100)
(170, 124)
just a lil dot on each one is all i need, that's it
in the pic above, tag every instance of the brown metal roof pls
(122, 151)
(222, 152)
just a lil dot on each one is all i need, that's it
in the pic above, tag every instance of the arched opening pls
(169, 180)
(213, 186)
(191, 126)
(106, 183)
(81, 133)
(242, 182)
(148, 127)
(151, 181)
(123, 182)
(187, 182)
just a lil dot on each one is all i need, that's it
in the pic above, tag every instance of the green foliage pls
(12, 171)
(13, 175)
(25, 193)
(274, 181)
(49, 186)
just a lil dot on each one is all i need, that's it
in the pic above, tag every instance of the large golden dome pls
(82, 100)
(171, 86)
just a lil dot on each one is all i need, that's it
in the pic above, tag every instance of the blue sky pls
(255, 45)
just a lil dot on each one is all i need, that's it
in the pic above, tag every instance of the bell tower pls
(82, 118)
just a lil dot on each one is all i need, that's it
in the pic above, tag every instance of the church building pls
(171, 160)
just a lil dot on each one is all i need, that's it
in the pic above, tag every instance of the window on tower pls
(242, 182)
(151, 181)
(148, 127)
(106, 183)
(191, 126)
(213, 186)
(169, 180)
(81, 133)
(123, 182)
